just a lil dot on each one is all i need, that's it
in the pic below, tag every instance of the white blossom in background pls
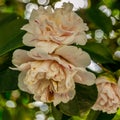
(43, 2)
(105, 10)
(50, 70)
(77, 4)
(29, 9)
(108, 95)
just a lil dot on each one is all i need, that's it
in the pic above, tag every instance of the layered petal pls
(74, 55)
(62, 26)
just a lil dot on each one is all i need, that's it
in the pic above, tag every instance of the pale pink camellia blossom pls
(50, 70)
(108, 95)
(49, 77)
(52, 28)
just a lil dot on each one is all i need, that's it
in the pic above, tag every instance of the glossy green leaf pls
(82, 102)
(8, 80)
(98, 52)
(10, 33)
(99, 19)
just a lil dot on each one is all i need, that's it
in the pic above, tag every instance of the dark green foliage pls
(82, 101)
(8, 80)
(10, 33)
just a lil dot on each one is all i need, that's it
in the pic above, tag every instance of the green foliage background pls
(12, 19)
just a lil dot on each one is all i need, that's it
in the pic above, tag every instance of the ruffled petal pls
(74, 55)
(20, 56)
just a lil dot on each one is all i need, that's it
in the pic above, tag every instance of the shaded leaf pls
(98, 115)
(105, 116)
(56, 113)
(8, 80)
(10, 33)
(86, 100)
(70, 108)
(99, 19)
(6, 114)
(98, 52)
(5, 61)
(82, 102)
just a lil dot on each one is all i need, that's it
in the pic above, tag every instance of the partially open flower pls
(108, 95)
(60, 26)
(52, 77)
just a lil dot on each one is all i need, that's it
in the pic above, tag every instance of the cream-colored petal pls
(81, 39)
(85, 77)
(64, 97)
(20, 56)
(74, 55)
(21, 84)
(48, 47)
(30, 39)
(32, 27)
(39, 54)
(35, 14)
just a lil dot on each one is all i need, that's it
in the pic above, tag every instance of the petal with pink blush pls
(30, 39)
(20, 56)
(74, 55)
(48, 47)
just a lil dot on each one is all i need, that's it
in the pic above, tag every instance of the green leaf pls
(5, 61)
(82, 102)
(98, 115)
(8, 80)
(98, 52)
(71, 108)
(6, 114)
(99, 19)
(56, 113)
(93, 115)
(10, 33)
(86, 100)
(105, 116)
(117, 115)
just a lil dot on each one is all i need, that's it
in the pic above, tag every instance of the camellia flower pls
(52, 77)
(49, 70)
(108, 95)
(52, 28)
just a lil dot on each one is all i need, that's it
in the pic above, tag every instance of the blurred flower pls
(60, 26)
(108, 95)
